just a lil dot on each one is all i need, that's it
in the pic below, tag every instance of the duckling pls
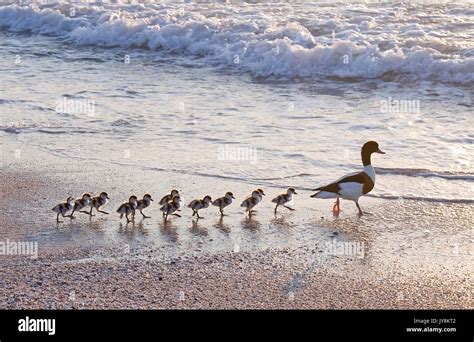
(98, 202)
(128, 208)
(81, 203)
(168, 198)
(284, 198)
(253, 200)
(144, 203)
(63, 208)
(197, 204)
(223, 202)
(171, 207)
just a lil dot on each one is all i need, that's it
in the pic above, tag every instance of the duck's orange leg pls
(336, 208)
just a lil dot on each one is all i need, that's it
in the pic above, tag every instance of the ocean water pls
(264, 93)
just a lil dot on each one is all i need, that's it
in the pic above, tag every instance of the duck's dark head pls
(367, 150)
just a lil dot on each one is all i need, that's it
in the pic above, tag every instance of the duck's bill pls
(380, 151)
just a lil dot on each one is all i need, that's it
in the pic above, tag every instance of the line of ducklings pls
(170, 204)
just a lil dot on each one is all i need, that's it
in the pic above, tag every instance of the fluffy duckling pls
(198, 204)
(81, 203)
(144, 203)
(284, 198)
(63, 208)
(171, 207)
(250, 202)
(98, 202)
(168, 198)
(223, 202)
(128, 208)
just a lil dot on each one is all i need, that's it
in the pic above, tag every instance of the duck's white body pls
(350, 190)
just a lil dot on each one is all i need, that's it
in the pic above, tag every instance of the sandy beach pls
(406, 254)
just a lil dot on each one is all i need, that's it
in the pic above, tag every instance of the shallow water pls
(156, 86)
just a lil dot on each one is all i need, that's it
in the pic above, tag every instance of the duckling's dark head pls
(291, 191)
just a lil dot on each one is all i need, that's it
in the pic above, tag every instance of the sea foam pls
(265, 41)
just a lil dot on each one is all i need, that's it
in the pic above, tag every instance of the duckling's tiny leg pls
(360, 210)
(128, 220)
(194, 212)
(288, 208)
(222, 212)
(121, 215)
(90, 213)
(165, 216)
(57, 218)
(276, 209)
(144, 216)
(72, 214)
(85, 212)
(197, 212)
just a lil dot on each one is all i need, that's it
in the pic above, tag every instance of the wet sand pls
(406, 254)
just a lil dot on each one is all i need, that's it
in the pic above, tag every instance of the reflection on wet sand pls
(280, 220)
(225, 228)
(196, 229)
(168, 230)
(127, 228)
(250, 224)
(98, 226)
(141, 227)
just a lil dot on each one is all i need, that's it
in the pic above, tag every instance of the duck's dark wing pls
(361, 178)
